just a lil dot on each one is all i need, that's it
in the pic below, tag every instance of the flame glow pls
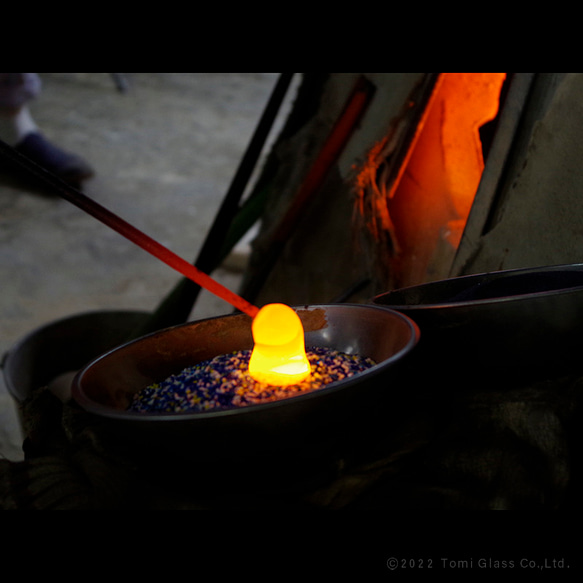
(279, 355)
(417, 213)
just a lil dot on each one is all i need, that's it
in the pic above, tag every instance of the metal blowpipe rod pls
(128, 231)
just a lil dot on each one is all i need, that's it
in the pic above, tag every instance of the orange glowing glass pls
(279, 354)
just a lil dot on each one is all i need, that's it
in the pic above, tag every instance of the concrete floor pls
(164, 152)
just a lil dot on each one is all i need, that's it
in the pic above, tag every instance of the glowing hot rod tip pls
(279, 354)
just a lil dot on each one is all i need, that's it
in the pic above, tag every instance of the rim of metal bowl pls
(489, 277)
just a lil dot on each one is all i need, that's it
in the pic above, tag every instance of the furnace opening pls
(417, 220)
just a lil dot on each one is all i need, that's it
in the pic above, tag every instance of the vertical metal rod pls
(213, 244)
(354, 109)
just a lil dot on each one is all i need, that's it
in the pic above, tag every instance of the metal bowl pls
(520, 324)
(306, 424)
(64, 346)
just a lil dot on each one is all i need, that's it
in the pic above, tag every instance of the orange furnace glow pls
(279, 354)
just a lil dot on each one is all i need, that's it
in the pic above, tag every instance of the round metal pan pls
(306, 424)
(64, 346)
(522, 324)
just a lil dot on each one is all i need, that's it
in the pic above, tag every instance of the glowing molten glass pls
(279, 354)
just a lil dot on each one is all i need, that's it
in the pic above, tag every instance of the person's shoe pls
(69, 167)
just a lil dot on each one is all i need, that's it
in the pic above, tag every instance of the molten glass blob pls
(279, 354)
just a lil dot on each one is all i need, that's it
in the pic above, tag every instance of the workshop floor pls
(164, 151)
